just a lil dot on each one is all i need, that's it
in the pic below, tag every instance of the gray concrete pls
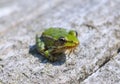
(98, 26)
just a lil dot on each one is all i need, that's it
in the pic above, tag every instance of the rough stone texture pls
(98, 25)
(108, 74)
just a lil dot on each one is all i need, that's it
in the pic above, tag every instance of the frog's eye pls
(74, 33)
(62, 39)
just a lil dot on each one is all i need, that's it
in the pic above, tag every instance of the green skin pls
(55, 41)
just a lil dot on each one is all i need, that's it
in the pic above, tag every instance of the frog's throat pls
(71, 47)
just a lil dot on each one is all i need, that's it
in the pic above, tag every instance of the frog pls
(55, 41)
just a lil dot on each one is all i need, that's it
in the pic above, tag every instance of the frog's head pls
(70, 40)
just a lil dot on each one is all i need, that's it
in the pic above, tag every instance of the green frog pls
(56, 41)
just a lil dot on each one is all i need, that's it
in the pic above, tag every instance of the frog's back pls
(55, 33)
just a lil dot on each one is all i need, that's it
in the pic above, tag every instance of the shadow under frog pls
(61, 58)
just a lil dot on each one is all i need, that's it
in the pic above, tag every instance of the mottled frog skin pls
(55, 41)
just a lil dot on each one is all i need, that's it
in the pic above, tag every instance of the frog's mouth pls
(71, 46)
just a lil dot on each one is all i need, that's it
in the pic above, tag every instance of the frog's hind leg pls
(40, 44)
(41, 49)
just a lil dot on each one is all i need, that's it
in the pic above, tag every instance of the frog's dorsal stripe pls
(49, 37)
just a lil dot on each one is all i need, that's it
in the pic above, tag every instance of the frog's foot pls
(39, 44)
(49, 56)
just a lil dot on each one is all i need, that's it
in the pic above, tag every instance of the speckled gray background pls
(97, 23)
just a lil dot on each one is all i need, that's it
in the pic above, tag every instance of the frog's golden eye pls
(62, 39)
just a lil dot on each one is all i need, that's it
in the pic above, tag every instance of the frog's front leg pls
(50, 56)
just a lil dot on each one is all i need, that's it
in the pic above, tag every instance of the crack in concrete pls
(118, 51)
(106, 60)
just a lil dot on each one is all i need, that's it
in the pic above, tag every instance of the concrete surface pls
(96, 61)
